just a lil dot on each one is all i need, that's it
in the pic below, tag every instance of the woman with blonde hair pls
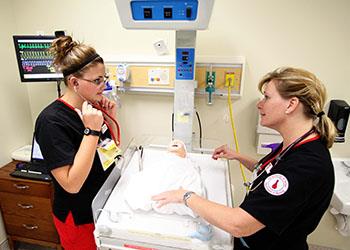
(293, 185)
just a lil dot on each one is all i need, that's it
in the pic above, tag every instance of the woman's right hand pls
(91, 117)
(172, 196)
(224, 152)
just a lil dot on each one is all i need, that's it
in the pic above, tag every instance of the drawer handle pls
(21, 186)
(25, 206)
(30, 227)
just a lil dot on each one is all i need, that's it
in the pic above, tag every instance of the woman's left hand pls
(173, 196)
(109, 106)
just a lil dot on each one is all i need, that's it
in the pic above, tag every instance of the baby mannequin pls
(178, 148)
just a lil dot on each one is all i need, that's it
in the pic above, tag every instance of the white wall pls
(14, 112)
(302, 33)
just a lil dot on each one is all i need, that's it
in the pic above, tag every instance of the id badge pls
(107, 151)
(268, 168)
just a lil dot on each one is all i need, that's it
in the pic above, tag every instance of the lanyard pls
(262, 166)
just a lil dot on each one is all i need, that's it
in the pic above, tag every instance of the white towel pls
(167, 172)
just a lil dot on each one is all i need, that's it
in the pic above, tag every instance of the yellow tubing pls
(234, 132)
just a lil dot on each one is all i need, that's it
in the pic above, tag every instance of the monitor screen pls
(34, 60)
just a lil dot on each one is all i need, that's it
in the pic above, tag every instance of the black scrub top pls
(291, 199)
(59, 132)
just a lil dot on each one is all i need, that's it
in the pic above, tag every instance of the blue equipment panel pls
(162, 10)
(184, 64)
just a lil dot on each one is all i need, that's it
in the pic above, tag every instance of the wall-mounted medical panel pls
(157, 74)
(221, 71)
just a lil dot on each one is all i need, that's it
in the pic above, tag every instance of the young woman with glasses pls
(71, 131)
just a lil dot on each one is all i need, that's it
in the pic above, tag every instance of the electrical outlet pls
(229, 79)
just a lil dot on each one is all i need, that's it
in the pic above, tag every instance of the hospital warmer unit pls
(117, 226)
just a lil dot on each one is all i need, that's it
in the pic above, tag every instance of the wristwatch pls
(88, 131)
(187, 195)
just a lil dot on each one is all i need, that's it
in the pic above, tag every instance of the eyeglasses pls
(98, 81)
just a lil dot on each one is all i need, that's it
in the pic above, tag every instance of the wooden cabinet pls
(26, 209)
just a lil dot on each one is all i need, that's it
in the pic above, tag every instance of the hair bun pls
(64, 44)
(60, 47)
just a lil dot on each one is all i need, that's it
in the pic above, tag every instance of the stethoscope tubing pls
(278, 158)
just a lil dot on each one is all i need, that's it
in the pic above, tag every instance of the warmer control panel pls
(185, 64)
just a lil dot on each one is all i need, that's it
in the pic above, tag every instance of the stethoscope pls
(266, 166)
(116, 139)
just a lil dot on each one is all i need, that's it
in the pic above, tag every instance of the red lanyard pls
(262, 166)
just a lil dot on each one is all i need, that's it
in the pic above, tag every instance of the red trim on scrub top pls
(308, 140)
(66, 103)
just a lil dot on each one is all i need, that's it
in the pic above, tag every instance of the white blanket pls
(165, 172)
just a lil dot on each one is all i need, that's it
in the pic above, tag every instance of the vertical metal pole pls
(184, 86)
